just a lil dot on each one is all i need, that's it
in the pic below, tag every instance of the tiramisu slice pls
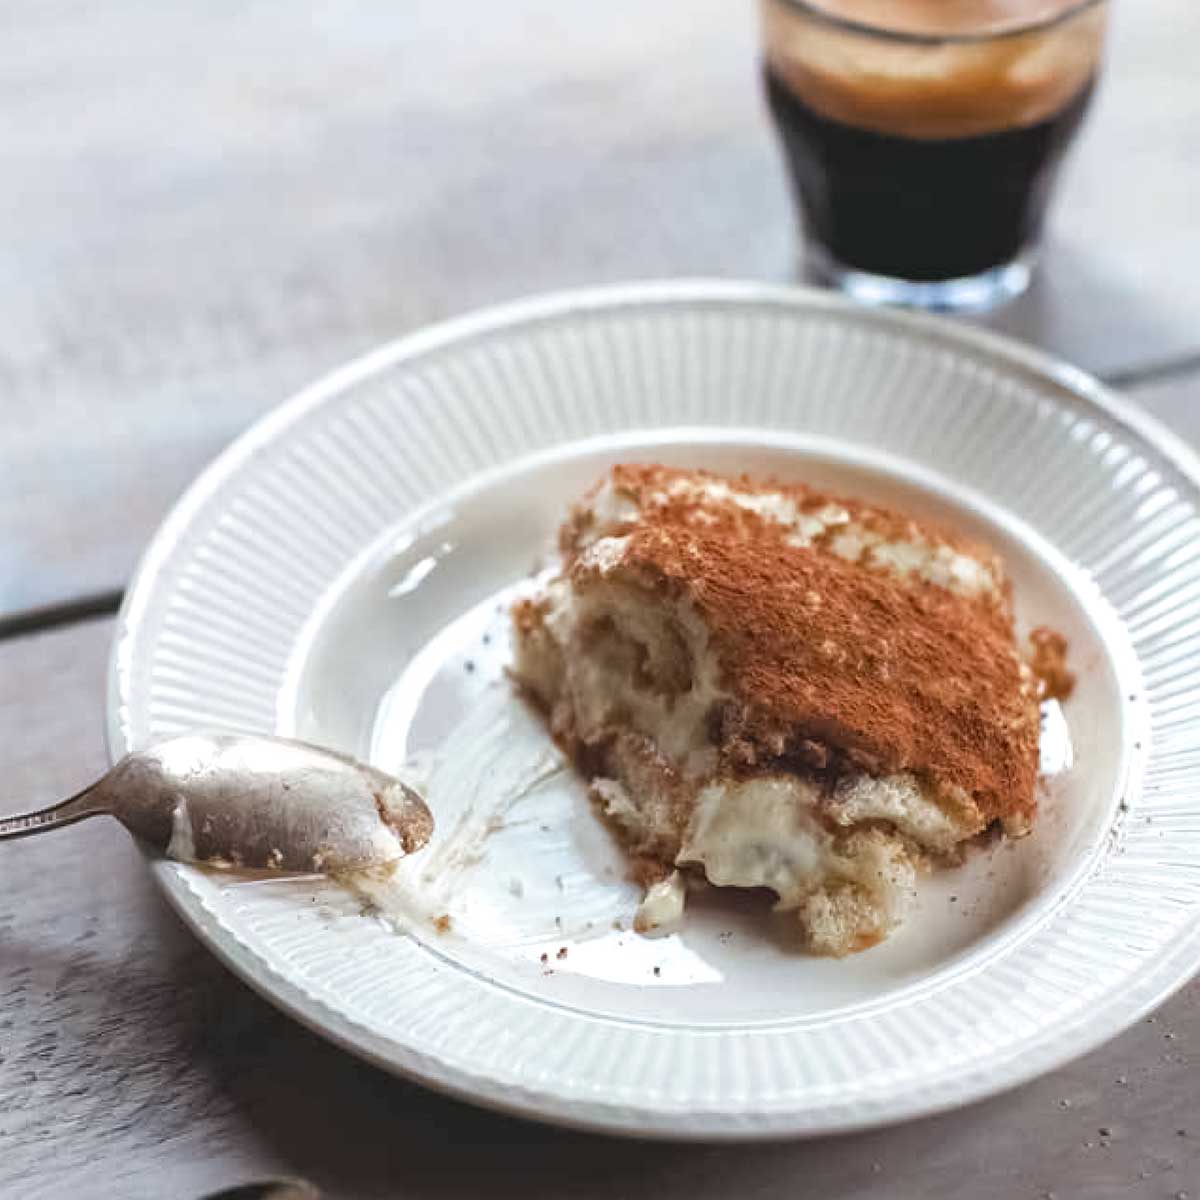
(772, 687)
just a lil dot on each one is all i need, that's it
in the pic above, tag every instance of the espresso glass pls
(923, 137)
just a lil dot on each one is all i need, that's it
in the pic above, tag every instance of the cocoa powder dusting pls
(894, 672)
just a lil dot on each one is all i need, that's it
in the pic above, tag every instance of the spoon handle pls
(66, 812)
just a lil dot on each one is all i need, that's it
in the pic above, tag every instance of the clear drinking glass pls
(923, 137)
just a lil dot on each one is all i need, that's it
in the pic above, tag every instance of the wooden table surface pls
(206, 205)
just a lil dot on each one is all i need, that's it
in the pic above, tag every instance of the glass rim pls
(813, 8)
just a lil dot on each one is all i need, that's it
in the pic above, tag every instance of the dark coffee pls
(921, 208)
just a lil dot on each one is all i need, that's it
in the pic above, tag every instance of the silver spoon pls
(233, 800)
(268, 1189)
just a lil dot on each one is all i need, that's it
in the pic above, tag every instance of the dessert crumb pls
(658, 970)
(1049, 664)
(562, 952)
(442, 923)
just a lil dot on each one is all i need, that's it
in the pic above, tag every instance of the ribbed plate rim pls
(1166, 972)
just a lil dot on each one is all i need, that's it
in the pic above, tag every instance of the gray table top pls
(208, 204)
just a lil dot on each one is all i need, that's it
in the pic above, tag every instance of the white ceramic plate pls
(340, 573)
